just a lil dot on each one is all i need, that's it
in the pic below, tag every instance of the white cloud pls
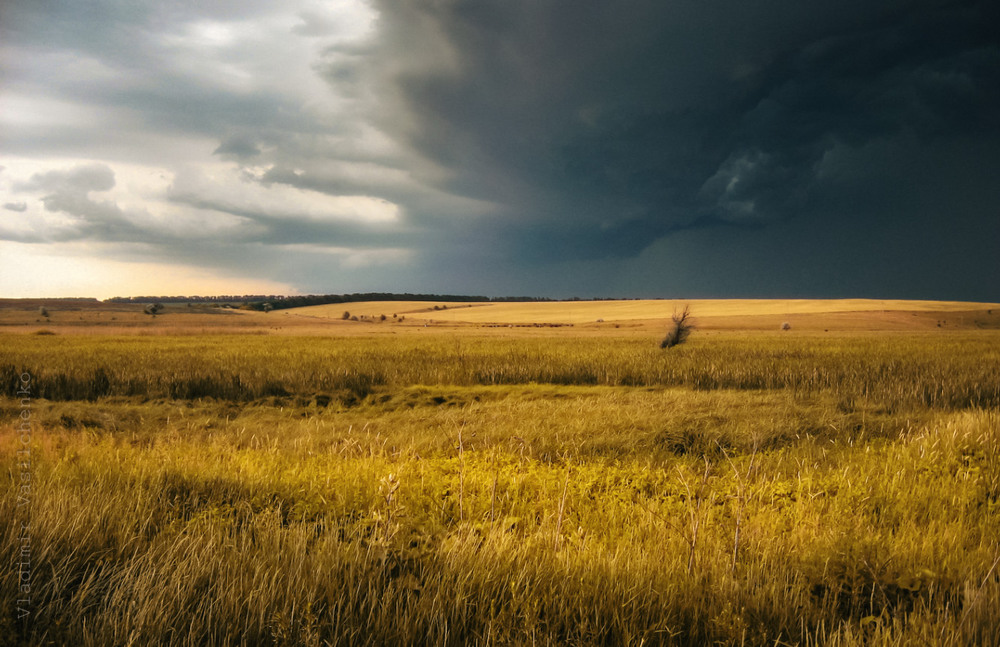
(133, 202)
(19, 110)
(234, 190)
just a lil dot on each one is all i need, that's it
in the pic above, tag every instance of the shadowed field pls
(411, 485)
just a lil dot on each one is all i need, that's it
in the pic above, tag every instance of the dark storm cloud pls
(602, 127)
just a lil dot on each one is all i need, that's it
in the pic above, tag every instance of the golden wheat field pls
(582, 312)
(501, 474)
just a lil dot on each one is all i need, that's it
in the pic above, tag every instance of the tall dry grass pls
(432, 510)
(956, 370)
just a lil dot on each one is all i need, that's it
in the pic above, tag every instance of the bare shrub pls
(680, 329)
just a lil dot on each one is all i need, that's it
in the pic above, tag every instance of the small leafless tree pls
(679, 329)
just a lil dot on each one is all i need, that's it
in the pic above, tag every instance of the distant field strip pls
(580, 312)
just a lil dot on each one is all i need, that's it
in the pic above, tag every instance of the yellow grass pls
(732, 314)
(579, 312)
(755, 490)
(594, 317)
(418, 487)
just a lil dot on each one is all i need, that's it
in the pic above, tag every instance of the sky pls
(557, 148)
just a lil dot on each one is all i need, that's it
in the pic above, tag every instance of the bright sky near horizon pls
(501, 147)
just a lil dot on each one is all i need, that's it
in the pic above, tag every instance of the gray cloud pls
(314, 24)
(68, 192)
(79, 180)
(239, 146)
(19, 207)
(264, 226)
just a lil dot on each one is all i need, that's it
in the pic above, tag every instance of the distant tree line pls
(224, 298)
(279, 302)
